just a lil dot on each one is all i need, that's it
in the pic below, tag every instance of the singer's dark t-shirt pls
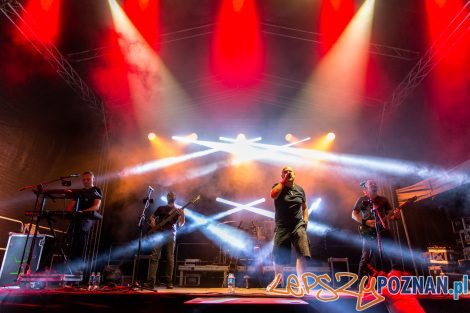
(288, 207)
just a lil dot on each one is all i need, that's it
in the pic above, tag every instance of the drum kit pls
(261, 233)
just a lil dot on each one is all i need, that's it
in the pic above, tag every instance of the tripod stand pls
(135, 282)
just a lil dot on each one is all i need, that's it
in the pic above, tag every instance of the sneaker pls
(273, 285)
(169, 286)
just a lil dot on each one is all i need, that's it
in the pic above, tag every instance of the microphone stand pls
(135, 282)
(378, 221)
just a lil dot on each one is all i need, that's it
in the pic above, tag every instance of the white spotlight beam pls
(301, 156)
(390, 247)
(314, 206)
(238, 240)
(246, 207)
(371, 164)
(209, 144)
(158, 164)
(271, 153)
(227, 236)
(296, 142)
(235, 140)
(247, 151)
(235, 209)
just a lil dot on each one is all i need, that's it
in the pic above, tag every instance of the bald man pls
(362, 213)
(291, 218)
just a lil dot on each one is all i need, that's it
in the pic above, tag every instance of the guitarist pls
(168, 244)
(363, 214)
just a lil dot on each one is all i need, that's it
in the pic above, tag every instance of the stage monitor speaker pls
(42, 255)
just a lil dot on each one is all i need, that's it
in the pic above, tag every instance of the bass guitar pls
(171, 216)
(369, 232)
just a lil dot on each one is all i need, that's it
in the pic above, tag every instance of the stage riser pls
(18, 301)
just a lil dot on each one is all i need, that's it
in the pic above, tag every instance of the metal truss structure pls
(266, 28)
(450, 36)
(383, 50)
(14, 11)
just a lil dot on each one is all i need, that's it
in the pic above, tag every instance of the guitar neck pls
(170, 216)
(172, 213)
(401, 206)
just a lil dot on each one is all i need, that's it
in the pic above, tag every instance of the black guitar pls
(161, 224)
(371, 233)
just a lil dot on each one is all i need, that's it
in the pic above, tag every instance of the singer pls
(291, 218)
(363, 214)
(87, 199)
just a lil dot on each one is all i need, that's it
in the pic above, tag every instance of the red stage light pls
(145, 16)
(449, 79)
(110, 78)
(237, 48)
(335, 15)
(43, 18)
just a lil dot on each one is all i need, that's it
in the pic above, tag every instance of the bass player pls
(171, 217)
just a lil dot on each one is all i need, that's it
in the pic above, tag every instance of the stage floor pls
(187, 300)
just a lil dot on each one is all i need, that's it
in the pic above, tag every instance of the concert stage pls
(186, 300)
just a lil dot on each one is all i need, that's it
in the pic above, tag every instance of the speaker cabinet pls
(41, 258)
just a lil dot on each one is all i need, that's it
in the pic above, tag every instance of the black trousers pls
(78, 249)
(371, 255)
(168, 246)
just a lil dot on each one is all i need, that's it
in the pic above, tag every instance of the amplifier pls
(41, 258)
(441, 255)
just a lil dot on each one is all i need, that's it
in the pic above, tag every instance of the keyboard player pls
(87, 199)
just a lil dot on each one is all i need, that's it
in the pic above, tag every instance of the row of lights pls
(240, 137)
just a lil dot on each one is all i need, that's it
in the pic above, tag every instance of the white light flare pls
(246, 207)
(314, 206)
(162, 163)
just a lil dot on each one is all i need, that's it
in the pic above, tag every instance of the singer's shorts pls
(285, 239)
